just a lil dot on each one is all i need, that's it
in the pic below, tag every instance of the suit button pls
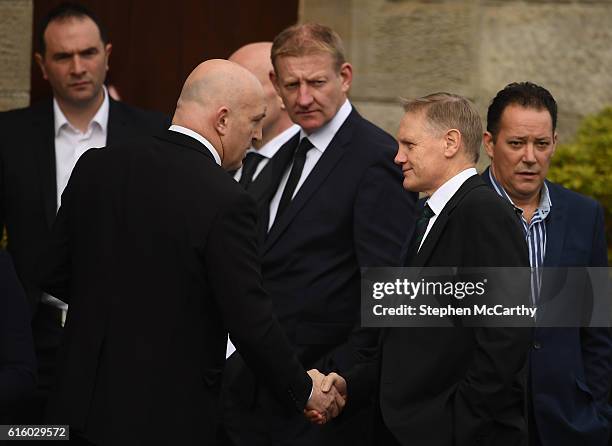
(537, 345)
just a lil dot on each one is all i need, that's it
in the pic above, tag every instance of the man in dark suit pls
(154, 248)
(17, 361)
(570, 368)
(462, 385)
(39, 147)
(326, 216)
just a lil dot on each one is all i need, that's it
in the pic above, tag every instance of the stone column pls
(15, 53)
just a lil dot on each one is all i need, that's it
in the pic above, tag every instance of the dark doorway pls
(156, 43)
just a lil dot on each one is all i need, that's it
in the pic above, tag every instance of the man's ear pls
(41, 63)
(346, 73)
(281, 103)
(488, 143)
(452, 141)
(274, 81)
(555, 141)
(221, 120)
(107, 50)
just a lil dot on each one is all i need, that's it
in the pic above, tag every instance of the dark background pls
(156, 43)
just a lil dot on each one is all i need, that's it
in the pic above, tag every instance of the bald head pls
(216, 82)
(255, 57)
(224, 103)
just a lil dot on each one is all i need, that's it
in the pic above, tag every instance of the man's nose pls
(77, 65)
(529, 153)
(400, 157)
(304, 96)
(258, 134)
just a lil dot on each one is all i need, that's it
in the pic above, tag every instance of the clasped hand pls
(328, 397)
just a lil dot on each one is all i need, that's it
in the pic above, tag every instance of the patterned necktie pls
(249, 166)
(421, 225)
(294, 177)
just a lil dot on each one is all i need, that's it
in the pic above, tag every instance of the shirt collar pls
(100, 118)
(545, 203)
(321, 138)
(269, 149)
(199, 138)
(543, 207)
(444, 193)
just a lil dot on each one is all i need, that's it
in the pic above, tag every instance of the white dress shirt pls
(71, 143)
(443, 194)
(269, 149)
(199, 138)
(320, 139)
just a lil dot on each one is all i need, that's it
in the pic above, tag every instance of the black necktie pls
(296, 172)
(421, 226)
(249, 166)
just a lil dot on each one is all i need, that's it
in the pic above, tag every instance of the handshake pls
(328, 397)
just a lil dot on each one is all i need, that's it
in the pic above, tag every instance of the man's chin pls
(410, 186)
(81, 98)
(310, 125)
(529, 185)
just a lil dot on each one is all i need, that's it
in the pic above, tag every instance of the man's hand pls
(328, 397)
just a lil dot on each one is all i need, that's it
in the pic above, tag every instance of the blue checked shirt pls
(535, 234)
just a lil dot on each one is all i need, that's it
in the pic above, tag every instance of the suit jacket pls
(264, 185)
(350, 212)
(17, 362)
(155, 250)
(463, 385)
(571, 368)
(28, 197)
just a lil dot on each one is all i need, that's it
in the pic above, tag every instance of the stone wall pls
(414, 47)
(473, 47)
(15, 52)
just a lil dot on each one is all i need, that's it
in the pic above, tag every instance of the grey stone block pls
(13, 99)
(15, 44)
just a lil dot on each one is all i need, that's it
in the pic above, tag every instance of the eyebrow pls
(539, 138)
(309, 78)
(70, 53)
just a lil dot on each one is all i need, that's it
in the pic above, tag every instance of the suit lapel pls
(260, 185)
(330, 158)
(555, 228)
(265, 188)
(267, 181)
(486, 178)
(45, 158)
(422, 257)
(555, 223)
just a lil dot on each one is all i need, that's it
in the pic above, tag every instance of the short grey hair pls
(445, 111)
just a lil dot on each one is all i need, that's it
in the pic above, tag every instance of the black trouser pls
(47, 331)
(534, 436)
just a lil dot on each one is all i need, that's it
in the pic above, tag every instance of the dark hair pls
(525, 94)
(65, 11)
